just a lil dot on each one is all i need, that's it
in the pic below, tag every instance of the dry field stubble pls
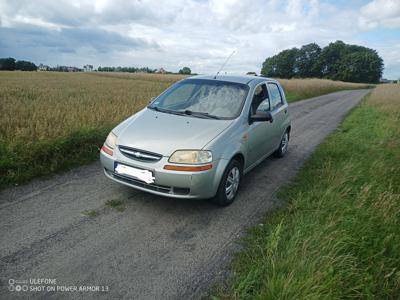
(38, 106)
(297, 89)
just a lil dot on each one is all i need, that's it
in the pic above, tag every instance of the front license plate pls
(140, 174)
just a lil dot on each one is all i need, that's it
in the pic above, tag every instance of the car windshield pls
(203, 98)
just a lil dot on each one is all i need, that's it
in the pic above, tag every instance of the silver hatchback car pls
(199, 137)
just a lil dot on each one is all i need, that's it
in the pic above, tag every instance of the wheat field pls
(37, 106)
(297, 89)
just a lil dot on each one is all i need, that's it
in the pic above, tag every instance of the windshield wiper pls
(200, 114)
(165, 110)
(186, 112)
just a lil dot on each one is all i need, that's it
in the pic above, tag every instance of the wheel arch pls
(240, 158)
(289, 129)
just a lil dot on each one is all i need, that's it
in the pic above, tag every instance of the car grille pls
(153, 187)
(139, 155)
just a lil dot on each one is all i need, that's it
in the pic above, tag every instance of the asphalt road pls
(157, 248)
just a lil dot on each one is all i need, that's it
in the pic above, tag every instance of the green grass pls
(90, 213)
(339, 234)
(116, 204)
(22, 162)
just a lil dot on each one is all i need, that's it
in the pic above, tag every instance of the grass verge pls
(339, 235)
(20, 162)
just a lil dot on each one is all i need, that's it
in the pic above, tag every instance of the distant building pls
(87, 68)
(384, 80)
(73, 69)
(161, 71)
(43, 67)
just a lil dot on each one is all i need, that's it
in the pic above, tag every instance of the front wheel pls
(283, 146)
(229, 184)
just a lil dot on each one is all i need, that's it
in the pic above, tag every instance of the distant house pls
(43, 67)
(384, 80)
(161, 71)
(87, 68)
(73, 69)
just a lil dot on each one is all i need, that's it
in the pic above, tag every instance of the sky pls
(199, 34)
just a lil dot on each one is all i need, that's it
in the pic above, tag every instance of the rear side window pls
(275, 95)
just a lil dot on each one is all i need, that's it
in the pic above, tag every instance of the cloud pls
(99, 40)
(176, 33)
(69, 46)
(380, 13)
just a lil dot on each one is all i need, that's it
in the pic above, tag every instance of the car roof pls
(244, 79)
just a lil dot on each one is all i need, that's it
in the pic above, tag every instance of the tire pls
(231, 178)
(283, 145)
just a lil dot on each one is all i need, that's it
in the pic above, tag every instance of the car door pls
(279, 112)
(259, 133)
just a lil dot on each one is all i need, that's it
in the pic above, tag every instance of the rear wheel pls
(229, 184)
(283, 146)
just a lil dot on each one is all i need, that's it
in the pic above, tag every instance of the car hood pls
(164, 133)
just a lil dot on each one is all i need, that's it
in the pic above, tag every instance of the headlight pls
(191, 157)
(111, 140)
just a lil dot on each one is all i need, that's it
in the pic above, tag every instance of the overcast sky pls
(195, 33)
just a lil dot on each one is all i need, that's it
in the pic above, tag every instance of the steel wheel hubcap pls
(232, 183)
(285, 142)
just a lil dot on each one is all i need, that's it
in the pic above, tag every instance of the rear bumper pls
(175, 184)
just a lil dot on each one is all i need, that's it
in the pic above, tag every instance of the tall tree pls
(306, 64)
(24, 65)
(185, 70)
(281, 65)
(337, 61)
(7, 64)
(329, 60)
(362, 66)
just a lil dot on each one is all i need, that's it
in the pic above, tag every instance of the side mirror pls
(261, 116)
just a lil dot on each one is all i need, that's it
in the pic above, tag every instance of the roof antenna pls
(220, 69)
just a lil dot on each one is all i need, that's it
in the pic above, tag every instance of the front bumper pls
(176, 184)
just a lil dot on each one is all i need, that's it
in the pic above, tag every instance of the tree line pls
(10, 64)
(184, 70)
(126, 69)
(337, 61)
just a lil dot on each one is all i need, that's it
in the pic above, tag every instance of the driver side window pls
(260, 100)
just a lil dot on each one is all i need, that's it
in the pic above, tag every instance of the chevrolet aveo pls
(198, 138)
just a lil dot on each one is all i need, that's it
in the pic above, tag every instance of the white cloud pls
(385, 13)
(172, 34)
